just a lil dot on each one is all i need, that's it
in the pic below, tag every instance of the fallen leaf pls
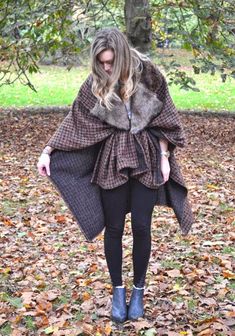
(206, 332)
(6, 221)
(2, 321)
(139, 325)
(108, 329)
(61, 219)
(27, 298)
(175, 273)
(228, 274)
(208, 301)
(86, 296)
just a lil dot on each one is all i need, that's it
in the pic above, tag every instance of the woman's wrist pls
(164, 148)
(47, 150)
(165, 154)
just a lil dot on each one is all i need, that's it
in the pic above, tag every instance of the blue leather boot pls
(119, 307)
(136, 306)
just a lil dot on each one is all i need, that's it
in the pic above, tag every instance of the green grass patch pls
(231, 294)
(62, 299)
(229, 250)
(171, 264)
(5, 329)
(10, 207)
(29, 323)
(14, 301)
(213, 95)
(192, 304)
(57, 86)
(226, 207)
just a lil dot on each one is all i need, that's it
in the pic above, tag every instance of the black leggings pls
(142, 200)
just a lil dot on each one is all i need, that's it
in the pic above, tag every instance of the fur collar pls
(144, 107)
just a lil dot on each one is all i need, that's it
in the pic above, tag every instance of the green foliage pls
(29, 323)
(14, 301)
(5, 329)
(171, 264)
(204, 27)
(192, 304)
(32, 31)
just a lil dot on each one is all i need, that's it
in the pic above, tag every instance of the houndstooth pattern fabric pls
(119, 154)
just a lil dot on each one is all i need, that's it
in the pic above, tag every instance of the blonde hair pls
(126, 68)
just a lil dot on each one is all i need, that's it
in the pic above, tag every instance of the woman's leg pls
(142, 204)
(114, 204)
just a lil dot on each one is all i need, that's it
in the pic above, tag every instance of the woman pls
(115, 154)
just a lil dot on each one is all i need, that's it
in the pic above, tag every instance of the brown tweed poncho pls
(97, 147)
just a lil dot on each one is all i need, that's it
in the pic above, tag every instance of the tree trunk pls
(138, 24)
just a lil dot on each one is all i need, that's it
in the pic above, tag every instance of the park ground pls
(52, 282)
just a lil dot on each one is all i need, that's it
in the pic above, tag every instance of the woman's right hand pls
(44, 164)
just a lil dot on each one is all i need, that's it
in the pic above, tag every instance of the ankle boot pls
(119, 307)
(136, 306)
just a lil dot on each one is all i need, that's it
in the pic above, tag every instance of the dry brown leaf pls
(227, 263)
(108, 329)
(222, 292)
(2, 321)
(43, 307)
(86, 327)
(41, 321)
(83, 282)
(139, 325)
(232, 234)
(230, 313)
(86, 296)
(206, 332)
(61, 219)
(208, 301)
(6, 221)
(27, 297)
(19, 332)
(53, 294)
(228, 274)
(87, 305)
(68, 332)
(175, 273)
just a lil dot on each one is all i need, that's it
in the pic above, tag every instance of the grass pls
(170, 264)
(213, 95)
(55, 86)
(58, 86)
(5, 329)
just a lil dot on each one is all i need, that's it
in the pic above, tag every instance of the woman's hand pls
(44, 164)
(165, 168)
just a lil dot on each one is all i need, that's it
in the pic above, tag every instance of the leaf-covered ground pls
(55, 283)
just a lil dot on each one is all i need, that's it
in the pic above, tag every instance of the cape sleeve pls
(80, 129)
(167, 124)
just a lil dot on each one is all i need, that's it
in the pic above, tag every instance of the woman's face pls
(106, 59)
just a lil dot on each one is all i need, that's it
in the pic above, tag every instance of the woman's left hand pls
(165, 168)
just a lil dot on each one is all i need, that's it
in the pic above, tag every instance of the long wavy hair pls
(126, 68)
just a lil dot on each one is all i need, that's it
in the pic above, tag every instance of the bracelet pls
(165, 153)
(46, 151)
